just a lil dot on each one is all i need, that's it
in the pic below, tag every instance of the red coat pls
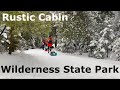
(50, 42)
(50, 45)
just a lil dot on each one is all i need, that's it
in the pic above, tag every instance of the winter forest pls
(96, 33)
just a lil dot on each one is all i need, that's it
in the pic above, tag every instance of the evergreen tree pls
(103, 33)
(116, 48)
(34, 29)
(74, 31)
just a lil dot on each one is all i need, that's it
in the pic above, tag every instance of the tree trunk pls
(11, 47)
(10, 51)
(56, 41)
(33, 42)
(107, 52)
(3, 30)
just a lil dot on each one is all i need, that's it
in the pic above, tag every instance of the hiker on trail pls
(44, 41)
(50, 42)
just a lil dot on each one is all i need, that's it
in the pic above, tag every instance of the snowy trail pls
(40, 58)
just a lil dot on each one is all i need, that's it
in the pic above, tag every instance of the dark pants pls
(49, 49)
(43, 46)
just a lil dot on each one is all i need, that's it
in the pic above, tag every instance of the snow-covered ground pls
(40, 58)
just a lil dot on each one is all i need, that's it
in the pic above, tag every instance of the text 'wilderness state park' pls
(40, 17)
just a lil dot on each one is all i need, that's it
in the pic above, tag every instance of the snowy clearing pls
(40, 58)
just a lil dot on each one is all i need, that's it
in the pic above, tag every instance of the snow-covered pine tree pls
(116, 49)
(102, 32)
(75, 31)
(106, 38)
(116, 43)
(92, 47)
(4, 42)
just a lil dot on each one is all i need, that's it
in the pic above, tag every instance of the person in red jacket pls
(50, 42)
